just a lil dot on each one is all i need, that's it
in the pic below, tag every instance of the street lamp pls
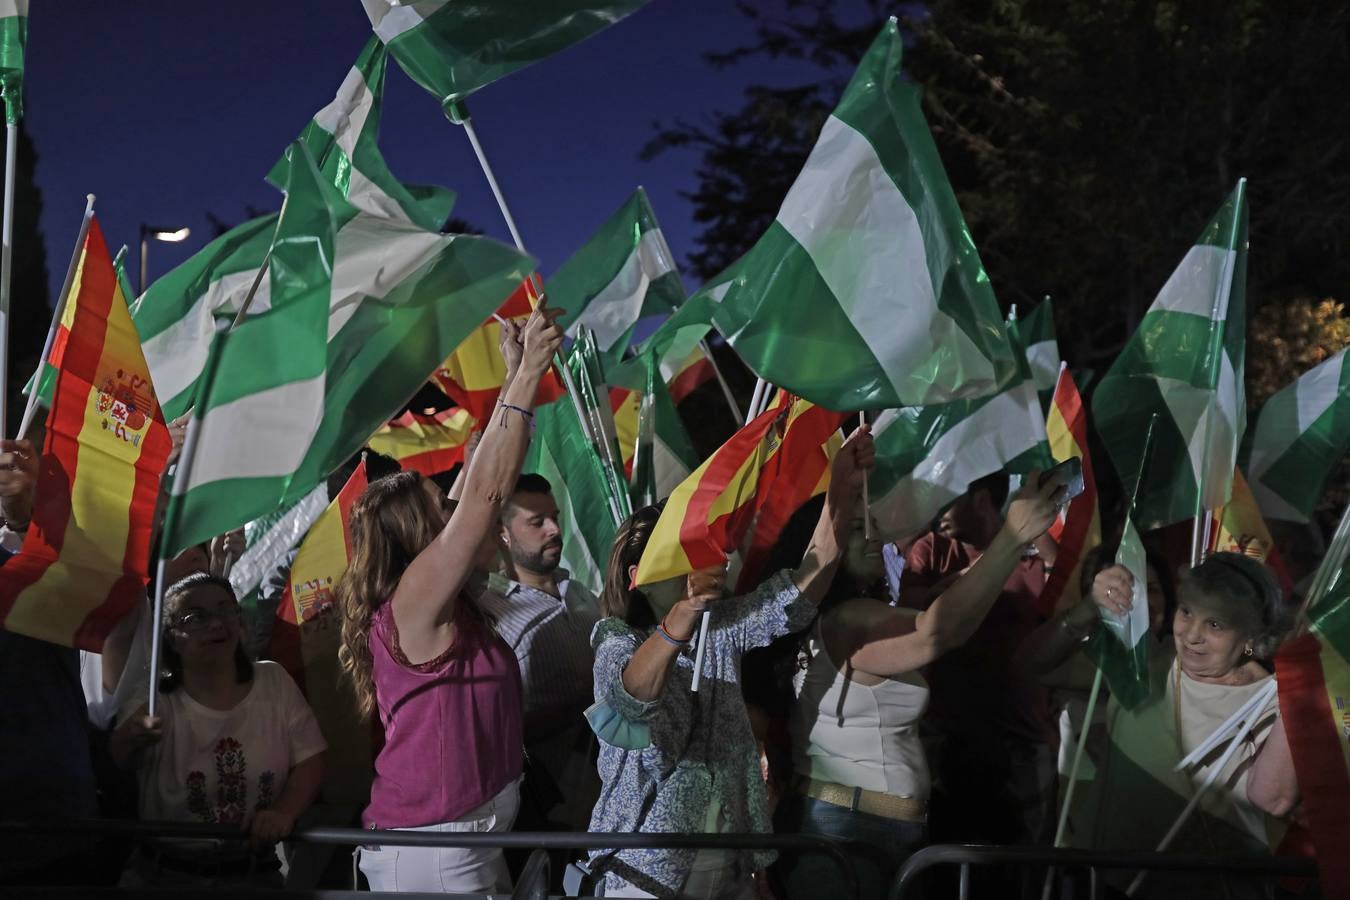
(169, 235)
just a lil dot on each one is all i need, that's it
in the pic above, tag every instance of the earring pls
(1249, 651)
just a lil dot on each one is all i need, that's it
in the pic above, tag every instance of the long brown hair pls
(616, 599)
(390, 524)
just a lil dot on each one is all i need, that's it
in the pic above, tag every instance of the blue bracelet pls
(668, 637)
(524, 412)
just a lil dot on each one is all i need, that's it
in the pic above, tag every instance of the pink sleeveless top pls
(452, 726)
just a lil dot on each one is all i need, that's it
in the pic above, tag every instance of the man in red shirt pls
(990, 735)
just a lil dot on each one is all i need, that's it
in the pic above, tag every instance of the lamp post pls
(168, 235)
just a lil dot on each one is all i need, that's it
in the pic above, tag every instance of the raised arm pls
(883, 641)
(1052, 644)
(850, 464)
(644, 678)
(426, 594)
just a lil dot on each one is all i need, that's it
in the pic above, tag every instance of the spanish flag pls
(426, 443)
(708, 515)
(473, 375)
(798, 470)
(1079, 530)
(625, 404)
(305, 639)
(1238, 527)
(86, 557)
(689, 374)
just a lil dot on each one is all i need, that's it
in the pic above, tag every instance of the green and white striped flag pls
(342, 138)
(867, 292)
(1037, 334)
(454, 48)
(1121, 648)
(1300, 435)
(13, 44)
(290, 431)
(1185, 363)
(625, 272)
(664, 455)
(560, 452)
(671, 344)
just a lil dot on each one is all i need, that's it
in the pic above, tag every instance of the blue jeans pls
(883, 844)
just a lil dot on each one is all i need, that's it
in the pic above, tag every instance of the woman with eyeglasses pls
(234, 743)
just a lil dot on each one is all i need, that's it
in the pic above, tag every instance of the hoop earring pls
(1249, 651)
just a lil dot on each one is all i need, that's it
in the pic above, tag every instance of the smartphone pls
(1068, 475)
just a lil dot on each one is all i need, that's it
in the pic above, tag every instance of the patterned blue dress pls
(702, 749)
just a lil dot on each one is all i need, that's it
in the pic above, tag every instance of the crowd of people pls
(507, 696)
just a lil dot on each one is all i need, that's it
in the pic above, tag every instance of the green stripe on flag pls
(1120, 649)
(869, 236)
(13, 46)
(454, 48)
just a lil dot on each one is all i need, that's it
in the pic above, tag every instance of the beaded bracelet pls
(669, 638)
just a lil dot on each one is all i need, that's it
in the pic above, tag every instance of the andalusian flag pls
(473, 373)
(625, 272)
(708, 515)
(86, 557)
(560, 452)
(342, 138)
(454, 48)
(797, 470)
(269, 540)
(866, 292)
(928, 455)
(1037, 335)
(426, 443)
(1184, 363)
(299, 387)
(305, 639)
(13, 41)
(1079, 529)
(1120, 649)
(663, 456)
(1300, 435)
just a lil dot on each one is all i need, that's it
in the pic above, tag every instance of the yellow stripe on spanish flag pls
(85, 560)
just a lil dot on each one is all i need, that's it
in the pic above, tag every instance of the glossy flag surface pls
(426, 443)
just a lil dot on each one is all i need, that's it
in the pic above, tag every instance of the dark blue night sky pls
(170, 110)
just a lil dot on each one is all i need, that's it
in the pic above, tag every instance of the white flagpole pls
(6, 268)
(762, 387)
(558, 363)
(867, 503)
(30, 409)
(721, 379)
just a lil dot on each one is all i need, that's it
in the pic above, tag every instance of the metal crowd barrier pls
(507, 840)
(966, 856)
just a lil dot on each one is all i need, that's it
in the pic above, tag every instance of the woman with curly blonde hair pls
(446, 688)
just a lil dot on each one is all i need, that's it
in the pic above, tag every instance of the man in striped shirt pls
(546, 618)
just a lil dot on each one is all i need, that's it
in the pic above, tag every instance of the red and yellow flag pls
(1238, 527)
(796, 471)
(426, 443)
(305, 639)
(473, 374)
(1079, 530)
(692, 372)
(708, 515)
(86, 557)
(626, 404)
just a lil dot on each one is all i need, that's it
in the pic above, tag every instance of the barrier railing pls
(527, 840)
(966, 856)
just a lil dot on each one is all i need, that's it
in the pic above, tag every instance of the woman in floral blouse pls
(675, 761)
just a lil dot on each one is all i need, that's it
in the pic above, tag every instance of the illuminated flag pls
(86, 556)
(429, 444)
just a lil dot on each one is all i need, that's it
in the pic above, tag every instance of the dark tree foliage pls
(1087, 141)
(30, 306)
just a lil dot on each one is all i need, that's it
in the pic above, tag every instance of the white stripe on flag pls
(11, 8)
(391, 18)
(1191, 407)
(391, 250)
(280, 423)
(1205, 271)
(868, 246)
(1313, 395)
(618, 305)
(1043, 357)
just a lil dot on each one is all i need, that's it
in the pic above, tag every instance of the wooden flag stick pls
(30, 409)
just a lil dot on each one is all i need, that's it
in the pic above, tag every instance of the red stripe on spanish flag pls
(693, 372)
(707, 516)
(86, 557)
(305, 639)
(429, 444)
(797, 471)
(1238, 527)
(1080, 530)
(473, 374)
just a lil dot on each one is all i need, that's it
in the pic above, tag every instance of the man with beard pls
(546, 617)
(989, 728)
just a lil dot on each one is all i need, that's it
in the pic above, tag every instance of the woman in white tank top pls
(860, 772)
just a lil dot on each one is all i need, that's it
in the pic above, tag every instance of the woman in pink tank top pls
(446, 688)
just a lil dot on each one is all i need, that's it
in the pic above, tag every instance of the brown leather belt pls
(874, 803)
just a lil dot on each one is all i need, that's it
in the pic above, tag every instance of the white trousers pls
(712, 877)
(448, 869)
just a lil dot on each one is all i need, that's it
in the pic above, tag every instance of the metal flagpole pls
(568, 382)
(6, 268)
(30, 409)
